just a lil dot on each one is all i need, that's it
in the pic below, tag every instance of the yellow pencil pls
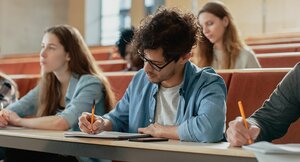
(244, 117)
(93, 114)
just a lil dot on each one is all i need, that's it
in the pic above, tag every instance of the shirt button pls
(150, 120)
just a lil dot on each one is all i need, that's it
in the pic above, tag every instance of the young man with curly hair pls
(170, 97)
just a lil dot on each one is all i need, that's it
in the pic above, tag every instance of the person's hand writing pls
(238, 135)
(85, 123)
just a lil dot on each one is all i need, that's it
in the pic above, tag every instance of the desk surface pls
(55, 142)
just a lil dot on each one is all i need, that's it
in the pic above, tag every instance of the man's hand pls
(238, 135)
(155, 130)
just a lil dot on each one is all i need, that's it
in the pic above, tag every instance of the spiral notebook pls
(106, 135)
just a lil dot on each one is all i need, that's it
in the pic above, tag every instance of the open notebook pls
(106, 135)
(266, 152)
(269, 148)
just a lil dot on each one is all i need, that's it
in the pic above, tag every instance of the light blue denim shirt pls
(79, 98)
(201, 110)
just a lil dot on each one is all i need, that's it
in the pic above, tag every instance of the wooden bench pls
(32, 66)
(276, 48)
(112, 65)
(25, 83)
(20, 57)
(99, 53)
(119, 82)
(274, 38)
(278, 60)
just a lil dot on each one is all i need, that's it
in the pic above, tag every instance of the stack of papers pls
(266, 152)
(106, 134)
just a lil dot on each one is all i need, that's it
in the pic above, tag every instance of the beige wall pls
(248, 24)
(76, 14)
(282, 15)
(22, 22)
(184, 5)
(252, 17)
(247, 16)
(265, 16)
(137, 12)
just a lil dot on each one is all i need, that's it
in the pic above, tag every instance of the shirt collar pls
(72, 85)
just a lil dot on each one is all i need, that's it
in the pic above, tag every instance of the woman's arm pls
(27, 105)
(46, 122)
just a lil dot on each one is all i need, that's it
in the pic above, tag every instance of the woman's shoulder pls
(246, 50)
(87, 79)
(249, 58)
(246, 53)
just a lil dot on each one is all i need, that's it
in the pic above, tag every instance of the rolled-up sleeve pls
(208, 125)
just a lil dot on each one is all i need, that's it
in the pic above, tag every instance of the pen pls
(93, 114)
(244, 118)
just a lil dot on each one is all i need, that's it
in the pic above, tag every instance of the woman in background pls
(220, 45)
(70, 82)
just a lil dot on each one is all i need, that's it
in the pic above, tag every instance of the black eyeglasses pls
(153, 65)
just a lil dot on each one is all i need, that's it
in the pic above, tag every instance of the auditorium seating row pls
(29, 64)
(97, 56)
(252, 87)
(32, 66)
(274, 38)
(276, 48)
(278, 60)
(99, 53)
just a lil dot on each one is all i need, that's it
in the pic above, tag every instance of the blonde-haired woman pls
(220, 45)
(69, 84)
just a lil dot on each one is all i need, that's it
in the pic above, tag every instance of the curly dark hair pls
(124, 40)
(170, 29)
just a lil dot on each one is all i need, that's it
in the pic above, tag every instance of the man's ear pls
(183, 59)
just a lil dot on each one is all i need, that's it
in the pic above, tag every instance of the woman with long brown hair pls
(220, 45)
(69, 84)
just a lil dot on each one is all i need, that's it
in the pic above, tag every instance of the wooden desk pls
(55, 142)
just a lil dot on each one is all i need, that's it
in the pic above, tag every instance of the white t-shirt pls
(167, 104)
